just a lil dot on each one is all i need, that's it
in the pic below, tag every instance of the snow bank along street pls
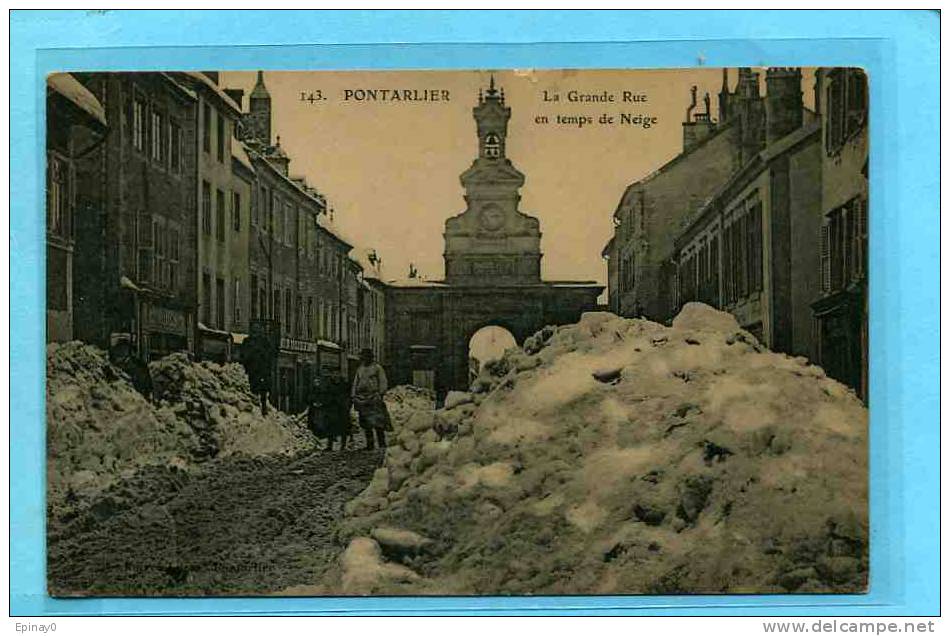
(622, 456)
(610, 456)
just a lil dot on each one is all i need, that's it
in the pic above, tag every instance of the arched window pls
(492, 146)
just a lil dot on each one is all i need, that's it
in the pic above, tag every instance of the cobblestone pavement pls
(242, 526)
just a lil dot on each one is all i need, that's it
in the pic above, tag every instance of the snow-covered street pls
(246, 526)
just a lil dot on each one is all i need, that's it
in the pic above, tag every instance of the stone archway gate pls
(429, 325)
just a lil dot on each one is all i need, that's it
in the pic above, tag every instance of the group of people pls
(331, 400)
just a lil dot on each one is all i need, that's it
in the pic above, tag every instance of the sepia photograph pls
(457, 333)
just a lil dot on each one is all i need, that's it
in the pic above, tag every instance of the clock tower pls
(492, 242)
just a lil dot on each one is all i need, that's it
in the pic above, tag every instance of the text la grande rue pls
(629, 97)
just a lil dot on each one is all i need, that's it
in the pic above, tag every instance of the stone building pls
(75, 124)
(751, 248)
(221, 198)
(373, 305)
(842, 309)
(492, 272)
(135, 252)
(296, 263)
(654, 209)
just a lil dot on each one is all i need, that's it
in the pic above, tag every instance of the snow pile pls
(99, 428)
(405, 400)
(622, 456)
(217, 402)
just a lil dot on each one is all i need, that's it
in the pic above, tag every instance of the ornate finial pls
(278, 141)
(492, 91)
(481, 97)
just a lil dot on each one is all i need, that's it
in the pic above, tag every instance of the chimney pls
(783, 102)
(236, 94)
(697, 126)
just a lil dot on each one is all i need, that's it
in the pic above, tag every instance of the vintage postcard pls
(496, 332)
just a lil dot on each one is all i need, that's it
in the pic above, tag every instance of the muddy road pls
(241, 527)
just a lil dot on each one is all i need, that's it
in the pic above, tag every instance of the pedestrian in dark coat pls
(330, 409)
(256, 359)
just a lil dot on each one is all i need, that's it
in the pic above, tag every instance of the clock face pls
(492, 218)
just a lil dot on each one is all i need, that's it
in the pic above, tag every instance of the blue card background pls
(900, 52)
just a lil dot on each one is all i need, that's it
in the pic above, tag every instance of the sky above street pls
(390, 169)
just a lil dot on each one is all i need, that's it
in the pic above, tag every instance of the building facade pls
(75, 124)
(297, 273)
(656, 208)
(842, 309)
(221, 201)
(751, 250)
(136, 254)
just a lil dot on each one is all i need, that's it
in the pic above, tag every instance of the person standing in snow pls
(369, 385)
(255, 357)
(122, 356)
(329, 413)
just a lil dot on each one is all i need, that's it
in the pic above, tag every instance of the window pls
(277, 218)
(236, 210)
(310, 317)
(755, 247)
(254, 306)
(236, 302)
(220, 220)
(206, 305)
(138, 123)
(844, 243)
(262, 305)
(174, 257)
(175, 143)
(288, 311)
(628, 276)
(298, 322)
(846, 106)
(206, 128)
(492, 146)
(146, 242)
(158, 261)
(742, 263)
(222, 137)
(219, 294)
(270, 220)
(206, 208)
(58, 197)
(288, 225)
(276, 304)
(159, 150)
(321, 320)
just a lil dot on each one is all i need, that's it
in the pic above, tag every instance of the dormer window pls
(492, 146)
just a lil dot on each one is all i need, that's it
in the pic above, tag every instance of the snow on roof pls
(178, 85)
(574, 283)
(204, 79)
(371, 267)
(70, 88)
(415, 282)
(239, 153)
(324, 221)
(205, 328)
